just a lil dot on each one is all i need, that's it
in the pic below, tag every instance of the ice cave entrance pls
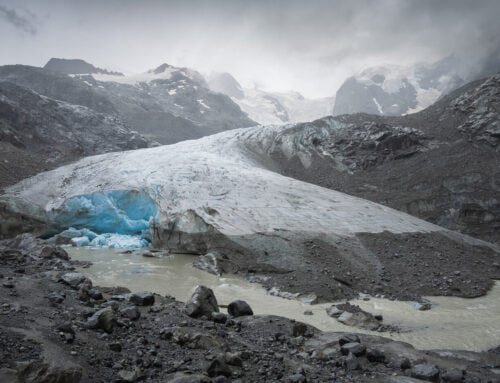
(118, 218)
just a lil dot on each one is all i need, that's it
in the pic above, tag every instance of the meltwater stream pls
(452, 323)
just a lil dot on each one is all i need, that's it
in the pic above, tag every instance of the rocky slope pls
(39, 133)
(440, 164)
(271, 107)
(75, 66)
(222, 197)
(393, 90)
(55, 326)
(166, 104)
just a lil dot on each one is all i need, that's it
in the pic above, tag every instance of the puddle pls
(453, 323)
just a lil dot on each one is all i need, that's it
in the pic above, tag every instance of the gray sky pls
(309, 45)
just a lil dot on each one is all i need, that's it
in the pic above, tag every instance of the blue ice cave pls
(110, 215)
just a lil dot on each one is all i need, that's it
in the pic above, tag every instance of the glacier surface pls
(227, 180)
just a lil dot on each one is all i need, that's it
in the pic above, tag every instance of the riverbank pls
(55, 326)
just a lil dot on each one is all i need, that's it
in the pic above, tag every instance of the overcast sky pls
(310, 46)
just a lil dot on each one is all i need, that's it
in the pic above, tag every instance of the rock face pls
(410, 162)
(75, 66)
(395, 90)
(167, 104)
(38, 133)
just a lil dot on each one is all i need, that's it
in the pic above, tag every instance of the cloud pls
(20, 22)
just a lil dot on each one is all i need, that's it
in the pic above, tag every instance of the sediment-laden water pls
(453, 323)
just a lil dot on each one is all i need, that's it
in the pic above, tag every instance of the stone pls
(375, 355)
(115, 346)
(128, 375)
(334, 311)
(423, 306)
(219, 317)
(95, 294)
(452, 375)
(234, 359)
(202, 302)
(425, 371)
(355, 348)
(74, 279)
(131, 312)
(299, 329)
(8, 284)
(143, 298)
(239, 308)
(55, 298)
(296, 378)
(219, 367)
(352, 362)
(349, 338)
(103, 319)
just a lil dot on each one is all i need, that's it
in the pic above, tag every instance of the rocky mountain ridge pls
(39, 133)
(440, 164)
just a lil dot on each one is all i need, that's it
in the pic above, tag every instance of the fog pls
(309, 46)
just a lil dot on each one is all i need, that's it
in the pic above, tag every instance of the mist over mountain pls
(250, 191)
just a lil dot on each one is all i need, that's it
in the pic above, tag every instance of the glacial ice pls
(228, 180)
(115, 211)
(119, 241)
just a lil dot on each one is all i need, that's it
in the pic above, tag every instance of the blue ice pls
(118, 211)
(118, 219)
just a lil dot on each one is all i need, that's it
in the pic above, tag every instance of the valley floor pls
(55, 326)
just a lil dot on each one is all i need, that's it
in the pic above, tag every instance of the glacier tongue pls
(225, 180)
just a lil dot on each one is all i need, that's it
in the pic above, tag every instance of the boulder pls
(239, 308)
(375, 355)
(299, 329)
(354, 348)
(219, 367)
(131, 312)
(334, 311)
(425, 371)
(103, 319)
(143, 298)
(75, 279)
(349, 338)
(202, 302)
(219, 317)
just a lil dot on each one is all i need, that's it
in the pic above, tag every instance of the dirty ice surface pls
(227, 179)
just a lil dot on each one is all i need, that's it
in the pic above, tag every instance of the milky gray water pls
(453, 323)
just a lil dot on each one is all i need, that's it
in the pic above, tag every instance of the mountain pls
(397, 90)
(166, 104)
(440, 164)
(39, 133)
(222, 197)
(271, 107)
(75, 66)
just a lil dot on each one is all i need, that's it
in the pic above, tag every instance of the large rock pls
(239, 308)
(143, 298)
(354, 348)
(103, 319)
(75, 279)
(202, 302)
(425, 371)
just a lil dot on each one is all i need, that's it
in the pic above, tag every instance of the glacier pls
(226, 181)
